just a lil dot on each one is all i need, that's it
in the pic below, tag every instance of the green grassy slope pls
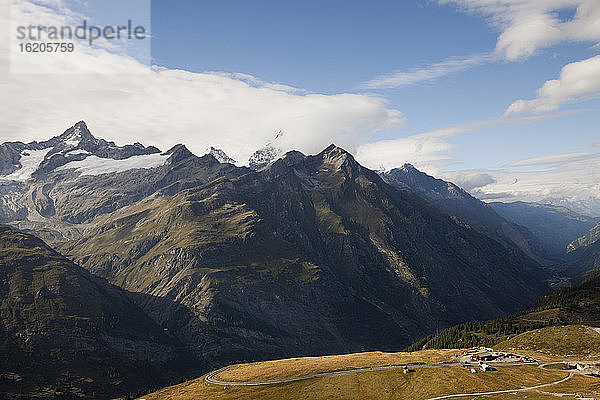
(576, 341)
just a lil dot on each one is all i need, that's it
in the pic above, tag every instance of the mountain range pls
(323, 255)
(297, 255)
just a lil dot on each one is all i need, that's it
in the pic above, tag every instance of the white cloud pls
(577, 81)
(124, 101)
(165, 107)
(425, 152)
(524, 27)
(554, 159)
(429, 151)
(470, 180)
(427, 73)
(528, 25)
(57, 14)
(571, 180)
(576, 185)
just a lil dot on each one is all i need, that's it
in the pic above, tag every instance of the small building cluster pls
(482, 357)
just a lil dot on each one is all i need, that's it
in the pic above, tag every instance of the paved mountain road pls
(212, 377)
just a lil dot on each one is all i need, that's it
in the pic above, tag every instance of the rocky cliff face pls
(587, 240)
(310, 255)
(66, 333)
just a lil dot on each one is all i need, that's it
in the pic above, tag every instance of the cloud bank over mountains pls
(121, 99)
(564, 184)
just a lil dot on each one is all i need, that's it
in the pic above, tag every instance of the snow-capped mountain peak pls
(70, 150)
(220, 155)
(76, 136)
(269, 153)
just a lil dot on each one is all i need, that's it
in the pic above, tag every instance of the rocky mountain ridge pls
(455, 201)
(58, 201)
(309, 255)
(220, 156)
(75, 144)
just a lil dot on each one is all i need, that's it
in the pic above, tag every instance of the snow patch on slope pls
(75, 139)
(30, 161)
(94, 165)
(77, 152)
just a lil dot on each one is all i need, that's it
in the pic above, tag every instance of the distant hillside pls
(554, 226)
(65, 333)
(566, 340)
(575, 305)
(583, 256)
(381, 378)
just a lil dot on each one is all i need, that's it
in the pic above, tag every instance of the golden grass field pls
(422, 384)
(390, 384)
(312, 365)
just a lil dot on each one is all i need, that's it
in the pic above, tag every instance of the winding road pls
(450, 396)
(211, 378)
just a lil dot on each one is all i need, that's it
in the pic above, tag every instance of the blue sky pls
(327, 47)
(499, 96)
(334, 46)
